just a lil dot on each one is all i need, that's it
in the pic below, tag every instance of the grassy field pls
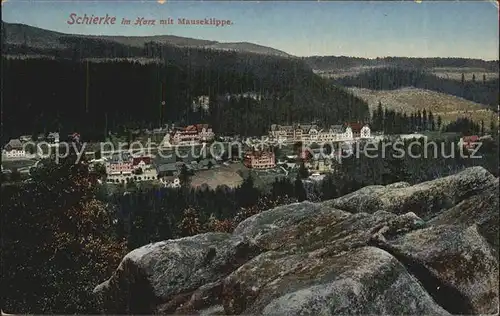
(456, 73)
(411, 100)
(233, 175)
(223, 175)
(447, 73)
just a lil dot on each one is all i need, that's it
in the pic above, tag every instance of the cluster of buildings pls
(310, 133)
(16, 148)
(307, 133)
(126, 165)
(189, 135)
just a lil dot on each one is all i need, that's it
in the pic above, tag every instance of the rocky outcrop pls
(403, 254)
(481, 209)
(424, 199)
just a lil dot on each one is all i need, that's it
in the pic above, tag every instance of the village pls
(191, 148)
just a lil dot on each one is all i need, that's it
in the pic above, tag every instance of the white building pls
(175, 183)
(411, 136)
(365, 132)
(15, 154)
(311, 133)
(192, 135)
(201, 102)
(14, 150)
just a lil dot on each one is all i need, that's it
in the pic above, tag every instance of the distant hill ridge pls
(21, 34)
(16, 35)
(333, 63)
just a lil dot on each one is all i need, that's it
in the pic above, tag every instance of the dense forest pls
(72, 94)
(480, 91)
(327, 63)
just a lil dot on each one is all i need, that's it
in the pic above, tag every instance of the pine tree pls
(406, 123)
(185, 177)
(248, 194)
(412, 124)
(190, 224)
(424, 120)
(384, 120)
(300, 191)
(473, 78)
(439, 122)
(419, 120)
(493, 126)
(482, 127)
(432, 123)
(379, 117)
(463, 79)
(484, 78)
(303, 172)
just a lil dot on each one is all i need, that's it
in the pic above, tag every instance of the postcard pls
(250, 157)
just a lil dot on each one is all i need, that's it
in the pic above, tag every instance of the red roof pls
(137, 160)
(356, 127)
(470, 139)
(259, 154)
(194, 128)
(306, 155)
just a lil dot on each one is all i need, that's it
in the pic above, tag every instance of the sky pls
(302, 28)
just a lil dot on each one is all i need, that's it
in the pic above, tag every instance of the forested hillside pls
(326, 63)
(26, 39)
(480, 91)
(74, 94)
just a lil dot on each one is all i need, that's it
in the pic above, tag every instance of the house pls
(168, 169)
(337, 129)
(119, 168)
(355, 128)
(163, 157)
(53, 138)
(192, 135)
(141, 162)
(14, 149)
(74, 137)
(248, 95)
(171, 182)
(317, 177)
(365, 132)
(469, 142)
(202, 102)
(206, 163)
(259, 159)
(25, 138)
(166, 141)
(14, 144)
(411, 136)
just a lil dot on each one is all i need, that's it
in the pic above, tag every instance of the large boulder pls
(366, 280)
(335, 257)
(163, 275)
(424, 199)
(454, 263)
(481, 209)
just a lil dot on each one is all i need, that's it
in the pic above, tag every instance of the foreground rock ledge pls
(430, 249)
